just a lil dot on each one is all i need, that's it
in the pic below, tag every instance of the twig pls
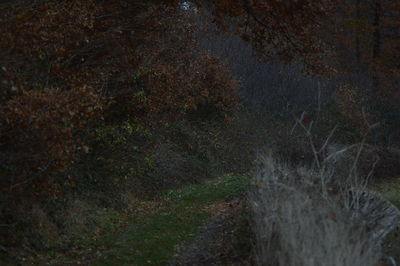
(319, 100)
(295, 125)
(329, 137)
(309, 135)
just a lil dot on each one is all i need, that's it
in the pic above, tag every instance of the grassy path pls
(152, 240)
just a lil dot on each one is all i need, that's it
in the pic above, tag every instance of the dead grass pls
(297, 221)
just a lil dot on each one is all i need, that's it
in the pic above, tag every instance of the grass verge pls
(151, 239)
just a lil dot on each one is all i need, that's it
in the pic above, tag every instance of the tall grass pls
(300, 219)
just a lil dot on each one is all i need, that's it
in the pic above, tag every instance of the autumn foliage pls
(289, 30)
(40, 131)
(65, 65)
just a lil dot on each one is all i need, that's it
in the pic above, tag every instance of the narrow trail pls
(199, 225)
(223, 240)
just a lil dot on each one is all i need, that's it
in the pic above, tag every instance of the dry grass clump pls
(302, 218)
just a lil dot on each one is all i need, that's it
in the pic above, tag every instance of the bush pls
(40, 134)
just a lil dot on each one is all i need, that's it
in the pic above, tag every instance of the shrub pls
(40, 134)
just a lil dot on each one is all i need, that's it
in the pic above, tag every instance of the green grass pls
(152, 240)
(390, 190)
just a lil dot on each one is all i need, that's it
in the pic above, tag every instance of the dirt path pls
(223, 240)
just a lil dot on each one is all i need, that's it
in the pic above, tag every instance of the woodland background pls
(105, 103)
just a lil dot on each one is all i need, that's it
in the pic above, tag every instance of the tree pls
(66, 65)
(288, 29)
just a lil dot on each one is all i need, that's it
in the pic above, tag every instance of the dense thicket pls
(67, 64)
